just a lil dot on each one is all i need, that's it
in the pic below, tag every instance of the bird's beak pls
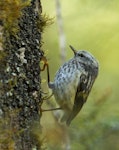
(73, 49)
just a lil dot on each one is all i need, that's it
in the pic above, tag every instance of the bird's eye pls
(81, 55)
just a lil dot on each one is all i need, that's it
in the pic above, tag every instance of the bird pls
(73, 83)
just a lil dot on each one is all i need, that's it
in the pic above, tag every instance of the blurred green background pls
(92, 25)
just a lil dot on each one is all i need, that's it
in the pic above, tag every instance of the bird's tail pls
(74, 112)
(67, 111)
(65, 117)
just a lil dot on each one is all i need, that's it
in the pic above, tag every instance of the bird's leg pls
(52, 109)
(44, 59)
(46, 65)
(47, 97)
(45, 110)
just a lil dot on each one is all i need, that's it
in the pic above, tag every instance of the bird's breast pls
(66, 86)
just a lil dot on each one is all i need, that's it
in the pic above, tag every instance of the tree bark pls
(20, 90)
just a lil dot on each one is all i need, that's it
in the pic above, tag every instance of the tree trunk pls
(20, 90)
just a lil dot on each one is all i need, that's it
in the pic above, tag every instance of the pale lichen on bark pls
(20, 77)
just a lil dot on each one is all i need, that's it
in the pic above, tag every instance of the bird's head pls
(85, 57)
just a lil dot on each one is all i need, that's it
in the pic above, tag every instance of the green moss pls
(44, 21)
(10, 12)
(7, 131)
(2, 60)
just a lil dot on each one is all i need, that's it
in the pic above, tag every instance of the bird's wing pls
(80, 97)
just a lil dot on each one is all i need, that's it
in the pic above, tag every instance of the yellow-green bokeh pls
(92, 25)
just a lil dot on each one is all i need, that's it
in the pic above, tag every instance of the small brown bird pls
(73, 83)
